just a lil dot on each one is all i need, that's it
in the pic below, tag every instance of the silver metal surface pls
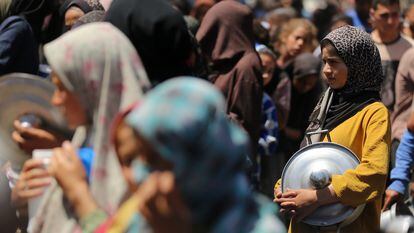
(312, 167)
(399, 224)
(320, 178)
(23, 95)
(399, 218)
(30, 120)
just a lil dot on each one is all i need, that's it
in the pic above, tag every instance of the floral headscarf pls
(99, 64)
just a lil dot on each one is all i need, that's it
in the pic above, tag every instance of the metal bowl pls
(312, 168)
(22, 97)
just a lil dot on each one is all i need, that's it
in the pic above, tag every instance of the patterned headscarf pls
(184, 121)
(95, 5)
(85, 5)
(361, 56)
(99, 64)
(91, 17)
(363, 84)
(101, 67)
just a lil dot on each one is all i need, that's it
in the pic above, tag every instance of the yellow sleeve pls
(367, 181)
(278, 183)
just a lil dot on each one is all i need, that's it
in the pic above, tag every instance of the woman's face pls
(334, 69)
(296, 41)
(69, 104)
(268, 64)
(129, 147)
(72, 15)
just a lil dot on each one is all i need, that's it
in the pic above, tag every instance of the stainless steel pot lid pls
(312, 168)
(23, 95)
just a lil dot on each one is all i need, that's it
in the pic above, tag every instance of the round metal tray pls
(321, 161)
(23, 94)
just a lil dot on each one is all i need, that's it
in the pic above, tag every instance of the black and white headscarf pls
(361, 56)
(362, 87)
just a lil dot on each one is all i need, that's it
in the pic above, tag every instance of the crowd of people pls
(183, 114)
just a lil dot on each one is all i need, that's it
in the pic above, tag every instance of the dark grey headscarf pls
(362, 87)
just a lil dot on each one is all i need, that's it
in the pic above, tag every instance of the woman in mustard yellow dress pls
(352, 112)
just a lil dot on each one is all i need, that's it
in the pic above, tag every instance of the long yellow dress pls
(368, 135)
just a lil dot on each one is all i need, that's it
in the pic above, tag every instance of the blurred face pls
(296, 42)
(68, 103)
(127, 150)
(128, 147)
(268, 64)
(305, 84)
(410, 14)
(409, 18)
(387, 18)
(334, 69)
(72, 15)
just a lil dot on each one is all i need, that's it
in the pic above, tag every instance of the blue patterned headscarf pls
(183, 119)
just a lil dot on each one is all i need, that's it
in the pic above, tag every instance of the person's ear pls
(372, 14)
(372, 18)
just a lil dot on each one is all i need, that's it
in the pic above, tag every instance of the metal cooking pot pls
(399, 218)
(312, 168)
(27, 98)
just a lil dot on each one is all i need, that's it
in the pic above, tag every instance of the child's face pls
(127, 150)
(72, 15)
(68, 103)
(334, 68)
(297, 41)
(268, 64)
(129, 146)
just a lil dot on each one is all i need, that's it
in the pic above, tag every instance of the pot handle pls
(322, 132)
(320, 179)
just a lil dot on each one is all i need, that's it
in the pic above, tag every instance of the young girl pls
(270, 165)
(351, 110)
(296, 37)
(96, 76)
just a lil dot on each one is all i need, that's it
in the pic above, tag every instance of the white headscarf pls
(99, 64)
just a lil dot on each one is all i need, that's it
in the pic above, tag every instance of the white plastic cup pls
(34, 203)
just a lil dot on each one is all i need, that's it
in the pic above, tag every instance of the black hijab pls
(85, 6)
(365, 76)
(34, 11)
(56, 26)
(159, 34)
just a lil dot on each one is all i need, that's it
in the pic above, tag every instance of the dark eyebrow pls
(331, 58)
